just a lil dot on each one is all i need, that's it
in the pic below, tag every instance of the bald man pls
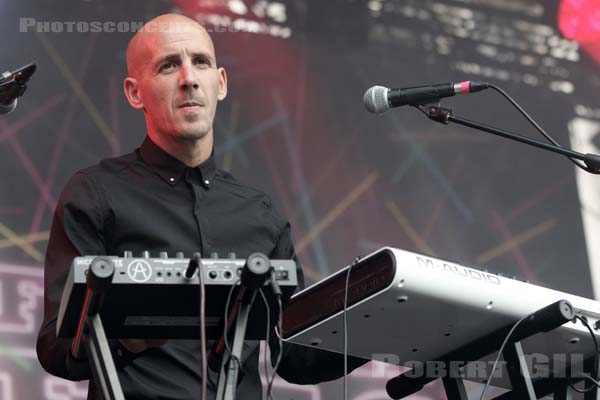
(168, 195)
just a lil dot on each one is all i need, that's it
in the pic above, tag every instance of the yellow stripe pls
(32, 238)
(336, 212)
(408, 228)
(515, 241)
(22, 243)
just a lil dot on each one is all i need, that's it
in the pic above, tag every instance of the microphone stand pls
(13, 86)
(445, 116)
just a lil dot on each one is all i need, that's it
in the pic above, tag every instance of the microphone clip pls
(13, 84)
(437, 113)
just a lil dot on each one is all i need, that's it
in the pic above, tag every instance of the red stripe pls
(464, 87)
(81, 320)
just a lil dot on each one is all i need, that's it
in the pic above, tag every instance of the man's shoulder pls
(108, 166)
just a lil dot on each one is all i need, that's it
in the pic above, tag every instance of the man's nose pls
(187, 77)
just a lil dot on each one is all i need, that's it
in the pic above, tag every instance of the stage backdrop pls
(293, 124)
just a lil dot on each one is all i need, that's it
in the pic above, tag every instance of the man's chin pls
(192, 135)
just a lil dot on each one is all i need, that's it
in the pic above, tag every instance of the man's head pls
(174, 78)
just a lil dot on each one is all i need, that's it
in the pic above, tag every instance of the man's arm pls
(77, 229)
(301, 364)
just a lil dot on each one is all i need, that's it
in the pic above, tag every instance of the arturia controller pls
(151, 298)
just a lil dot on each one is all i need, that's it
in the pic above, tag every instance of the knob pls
(214, 255)
(231, 256)
(127, 254)
(146, 254)
(163, 254)
(179, 254)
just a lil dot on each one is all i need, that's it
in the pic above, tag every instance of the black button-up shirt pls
(149, 200)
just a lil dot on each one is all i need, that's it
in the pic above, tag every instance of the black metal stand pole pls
(455, 388)
(563, 392)
(101, 360)
(90, 332)
(254, 276)
(543, 320)
(445, 116)
(589, 367)
(228, 374)
(520, 379)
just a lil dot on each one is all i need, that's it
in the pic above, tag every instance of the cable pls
(279, 342)
(202, 327)
(539, 128)
(346, 286)
(489, 380)
(595, 382)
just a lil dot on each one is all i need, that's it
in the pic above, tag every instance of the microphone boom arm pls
(445, 116)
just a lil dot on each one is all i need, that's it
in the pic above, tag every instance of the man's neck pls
(190, 152)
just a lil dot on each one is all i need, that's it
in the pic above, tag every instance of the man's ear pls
(132, 92)
(222, 84)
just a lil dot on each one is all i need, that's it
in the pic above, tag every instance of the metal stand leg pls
(101, 360)
(90, 333)
(589, 367)
(228, 376)
(455, 388)
(522, 387)
(562, 390)
(254, 275)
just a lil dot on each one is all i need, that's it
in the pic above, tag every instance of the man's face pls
(179, 83)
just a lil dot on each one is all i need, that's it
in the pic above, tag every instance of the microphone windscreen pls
(376, 100)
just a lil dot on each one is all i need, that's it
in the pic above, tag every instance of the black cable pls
(595, 382)
(279, 342)
(489, 380)
(539, 128)
(346, 287)
(202, 327)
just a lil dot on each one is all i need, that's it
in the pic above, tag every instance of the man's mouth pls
(190, 104)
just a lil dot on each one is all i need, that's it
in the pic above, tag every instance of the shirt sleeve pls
(305, 365)
(76, 230)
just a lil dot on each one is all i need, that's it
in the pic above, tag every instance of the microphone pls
(379, 99)
(12, 86)
(8, 108)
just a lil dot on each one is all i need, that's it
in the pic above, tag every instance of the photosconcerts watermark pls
(32, 25)
(539, 366)
(212, 23)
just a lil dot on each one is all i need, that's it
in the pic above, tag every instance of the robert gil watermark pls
(539, 365)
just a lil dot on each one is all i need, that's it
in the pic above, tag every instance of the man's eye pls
(201, 61)
(167, 66)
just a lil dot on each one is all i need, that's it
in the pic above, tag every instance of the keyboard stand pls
(523, 387)
(228, 375)
(90, 332)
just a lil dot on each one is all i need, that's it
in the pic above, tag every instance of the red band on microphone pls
(464, 87)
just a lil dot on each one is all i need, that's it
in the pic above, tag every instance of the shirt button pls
(171, 179)
(207, 181)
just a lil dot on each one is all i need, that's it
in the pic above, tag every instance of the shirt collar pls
(170, 168)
